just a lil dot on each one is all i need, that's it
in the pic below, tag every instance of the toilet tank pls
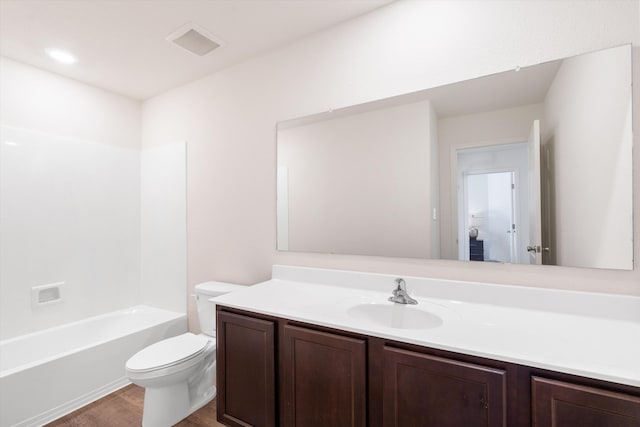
(206, 309)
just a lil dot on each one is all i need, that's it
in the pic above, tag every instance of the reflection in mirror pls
(527, 166)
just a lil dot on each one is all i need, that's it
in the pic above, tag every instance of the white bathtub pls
(49, 373)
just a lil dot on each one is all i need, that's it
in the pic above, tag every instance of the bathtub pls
(49, 373)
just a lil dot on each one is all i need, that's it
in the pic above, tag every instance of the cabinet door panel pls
(246, 371)
(323, 379)
(426, 390)
(562, 404)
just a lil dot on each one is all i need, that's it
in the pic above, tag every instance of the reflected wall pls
(328, 163)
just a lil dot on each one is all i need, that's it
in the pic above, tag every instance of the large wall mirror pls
(530, 166)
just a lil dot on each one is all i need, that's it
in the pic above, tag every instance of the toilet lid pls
(167, 352)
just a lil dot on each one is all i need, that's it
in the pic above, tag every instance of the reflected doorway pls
(489, 215)
(492, 203)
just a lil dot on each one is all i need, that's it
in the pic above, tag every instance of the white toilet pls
(179, 373)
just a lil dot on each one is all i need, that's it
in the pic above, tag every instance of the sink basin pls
(392, 315)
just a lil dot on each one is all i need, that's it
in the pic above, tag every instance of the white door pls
(534, 246)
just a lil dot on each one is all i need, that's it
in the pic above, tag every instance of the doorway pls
(492, 201)
(489, 215)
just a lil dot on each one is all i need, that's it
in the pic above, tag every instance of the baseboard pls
(62, 410)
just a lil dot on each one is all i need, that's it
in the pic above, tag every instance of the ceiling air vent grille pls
(194, 39)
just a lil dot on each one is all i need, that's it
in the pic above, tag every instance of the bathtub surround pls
(83, 205)
(68, 219)
(66, 216)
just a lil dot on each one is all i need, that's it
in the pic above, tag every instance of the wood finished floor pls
(123, 408)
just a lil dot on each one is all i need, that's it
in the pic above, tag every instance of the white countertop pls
(595, 335)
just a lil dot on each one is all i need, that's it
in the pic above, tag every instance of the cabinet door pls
(246, 371)
(323, 379)
(562, 404)
(424, 390)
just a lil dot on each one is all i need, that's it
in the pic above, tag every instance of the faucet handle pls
(400, 294)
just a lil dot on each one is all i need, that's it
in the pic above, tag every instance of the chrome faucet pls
(400, 294)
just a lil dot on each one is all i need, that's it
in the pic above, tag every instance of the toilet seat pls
(183, 350)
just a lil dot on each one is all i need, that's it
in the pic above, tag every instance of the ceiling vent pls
(194, 39)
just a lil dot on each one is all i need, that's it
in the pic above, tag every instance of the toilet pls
(179, 373)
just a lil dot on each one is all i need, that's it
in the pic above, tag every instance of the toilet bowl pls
(178, 373)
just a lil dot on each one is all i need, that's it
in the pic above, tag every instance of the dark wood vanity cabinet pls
(246, 370)
(273, 371)
(564, 404)
(425, 390)
(323, 378)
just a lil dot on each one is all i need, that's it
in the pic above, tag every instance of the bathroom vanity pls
(322, 347)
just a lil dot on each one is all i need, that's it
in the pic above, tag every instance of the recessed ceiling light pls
(61, 56)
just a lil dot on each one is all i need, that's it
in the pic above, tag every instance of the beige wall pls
(228, 120)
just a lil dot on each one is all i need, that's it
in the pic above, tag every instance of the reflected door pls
(534, 246)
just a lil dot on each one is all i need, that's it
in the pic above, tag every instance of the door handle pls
(535, 249)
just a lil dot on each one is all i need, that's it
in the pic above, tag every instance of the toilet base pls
(208, 397)
(166, 406)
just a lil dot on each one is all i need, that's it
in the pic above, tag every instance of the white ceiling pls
(121, 44)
